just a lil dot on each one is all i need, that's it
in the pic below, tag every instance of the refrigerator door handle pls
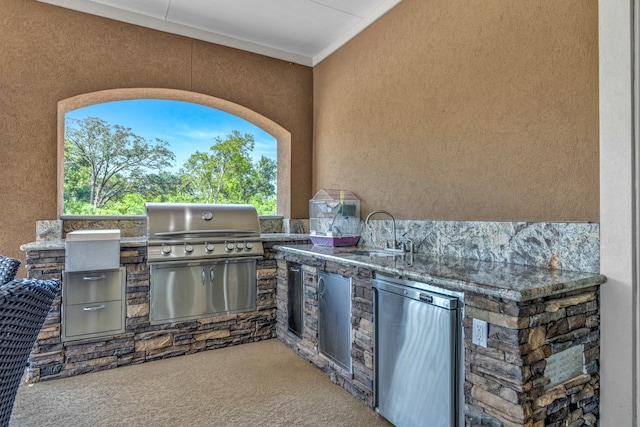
(321, 286)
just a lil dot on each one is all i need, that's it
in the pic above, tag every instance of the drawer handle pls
(100, 277)
(100, 307)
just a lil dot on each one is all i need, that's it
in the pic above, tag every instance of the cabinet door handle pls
(100, 277)
(203, 277)
(100, 307)
(295, 269)
(211, 276)
(321, 286)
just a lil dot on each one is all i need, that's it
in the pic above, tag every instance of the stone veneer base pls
(51, 358)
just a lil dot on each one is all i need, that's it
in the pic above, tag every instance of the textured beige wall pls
(440, 109)
(483, 110)
(48, 54)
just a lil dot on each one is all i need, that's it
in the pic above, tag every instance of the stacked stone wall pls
(142, 342)
(358, 381)
(507, 383)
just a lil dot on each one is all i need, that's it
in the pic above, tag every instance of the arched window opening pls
(119, 149)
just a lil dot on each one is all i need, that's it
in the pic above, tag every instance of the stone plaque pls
(564, 365)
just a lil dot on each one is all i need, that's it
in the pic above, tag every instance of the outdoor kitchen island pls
(540, 365)
(532, 313)
(143, 341)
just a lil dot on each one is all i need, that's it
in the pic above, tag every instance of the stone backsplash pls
(136, 226)
(567, 246)
(556, 245)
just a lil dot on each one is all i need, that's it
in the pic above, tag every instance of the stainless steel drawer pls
(87, 287)
(92, 319)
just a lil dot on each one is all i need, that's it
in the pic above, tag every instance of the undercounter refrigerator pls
(417, 361)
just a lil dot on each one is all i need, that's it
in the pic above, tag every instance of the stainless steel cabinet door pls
(178, 292)
(185, 291)
(334, 321)
(232, 286)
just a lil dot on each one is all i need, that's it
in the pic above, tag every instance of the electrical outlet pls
(480, 332)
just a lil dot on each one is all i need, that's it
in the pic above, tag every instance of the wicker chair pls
(24, 305)
(8, 269)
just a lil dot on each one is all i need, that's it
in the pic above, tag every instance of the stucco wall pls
(465, 110)
(439, 110)
(48, 54)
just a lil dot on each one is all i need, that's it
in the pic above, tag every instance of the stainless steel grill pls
(185, 231)
(202, 260)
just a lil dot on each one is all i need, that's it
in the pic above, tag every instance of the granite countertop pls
(44, 245)
(508, 281)
(51, 245)
(284, 237)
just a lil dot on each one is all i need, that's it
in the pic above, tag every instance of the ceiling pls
(300, 31)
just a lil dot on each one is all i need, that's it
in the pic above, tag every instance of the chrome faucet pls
(393, 222)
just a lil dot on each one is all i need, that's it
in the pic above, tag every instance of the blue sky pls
(186, 127)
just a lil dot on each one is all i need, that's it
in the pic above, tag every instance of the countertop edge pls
(44, 245)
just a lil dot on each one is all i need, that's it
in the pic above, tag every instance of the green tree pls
(264, 178)
(76, 181)
(159, 187)
(107, 161)
(219, 176)
(226, 174)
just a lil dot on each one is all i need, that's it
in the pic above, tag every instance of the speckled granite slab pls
(296, 226)
(271, 224)
(129, 226)
(567, 246)
(285, 237)
(509, 281)
(134, 226)
(47, 230)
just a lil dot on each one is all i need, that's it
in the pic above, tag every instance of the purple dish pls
(334, 241)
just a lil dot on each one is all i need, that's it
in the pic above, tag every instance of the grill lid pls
(190, 220)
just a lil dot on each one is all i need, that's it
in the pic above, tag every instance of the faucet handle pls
(410, 243)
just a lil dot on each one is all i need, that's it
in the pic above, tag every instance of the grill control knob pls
(229, 246)
(248, 246)
(209, 247)
(188, 248)
(239, 246)
(166, 250)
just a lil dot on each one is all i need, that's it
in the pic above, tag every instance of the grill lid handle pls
(236, 233)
